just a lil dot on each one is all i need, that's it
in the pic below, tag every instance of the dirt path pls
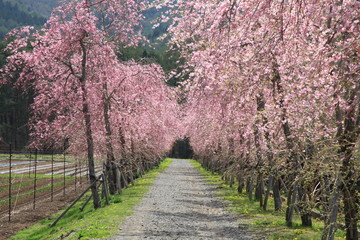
(180, 205)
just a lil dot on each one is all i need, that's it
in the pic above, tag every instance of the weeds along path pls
(181, 205)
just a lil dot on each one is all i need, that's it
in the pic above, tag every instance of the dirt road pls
(181, 205)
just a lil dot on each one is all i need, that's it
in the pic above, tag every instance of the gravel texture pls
(181, 205)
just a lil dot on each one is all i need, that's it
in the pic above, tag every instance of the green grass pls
(262, 223)
(90, 223)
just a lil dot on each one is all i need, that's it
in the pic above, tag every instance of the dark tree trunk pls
(269, 186)
(110, 158)
(118, 179)
(305, 214)
(350, 196)
(250, 186)
(88, 128)
(240, 183)
(259, 189)
(131, 175)
(141, 169)
(122, 142)
(231, 180)
(90, 147)
(333, 208)
(348, 136)
(294, 159)
(291, 204)
(123, 178)
(277, 195)
(304, 211)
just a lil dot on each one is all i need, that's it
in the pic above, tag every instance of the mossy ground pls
(269, 224)
(91, 223)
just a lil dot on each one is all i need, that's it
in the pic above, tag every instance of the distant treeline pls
(11, 16)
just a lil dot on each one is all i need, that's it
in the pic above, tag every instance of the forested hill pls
(40, 7)
(16, 13)
(13, 15)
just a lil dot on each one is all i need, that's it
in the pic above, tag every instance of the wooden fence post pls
(35, 166)
(10, 167)
(105, 187)
(52, 175)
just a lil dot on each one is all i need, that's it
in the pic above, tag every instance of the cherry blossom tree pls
(78, 81)
(282, 75)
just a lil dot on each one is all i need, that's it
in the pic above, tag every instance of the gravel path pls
(180, 205)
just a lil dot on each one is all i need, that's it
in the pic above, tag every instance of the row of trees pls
(85, 97)
(273, 100)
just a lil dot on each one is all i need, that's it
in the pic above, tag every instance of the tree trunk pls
(231, 179)
(259, 181)
(269, 186)
(277, 195)
(121, 142)
(141, 169)
(240, 183)
(118, 179)
(110, 158)
(333, 208)
(291, 204)
(304, 211)
(90, 146)
(259, 189)
(123, 178)
(88, 129)
(249, 186)
(350, 201)
(131, 175)
(347, 140)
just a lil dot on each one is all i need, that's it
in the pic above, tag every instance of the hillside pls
(16, 13)
(12, 16)
(42, 8)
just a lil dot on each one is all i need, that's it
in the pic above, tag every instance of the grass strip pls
(91, 223)
(269, 224)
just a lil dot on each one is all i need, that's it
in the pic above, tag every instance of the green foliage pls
(14, 111)
(169, 60)
(262, 222)
(115, 199)
(91, 223)
(157, 51)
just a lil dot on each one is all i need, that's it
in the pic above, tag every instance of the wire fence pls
(32, 176)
